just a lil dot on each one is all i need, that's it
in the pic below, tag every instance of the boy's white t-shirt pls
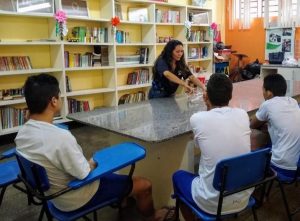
(58, 152)
(283, 117)
(220, 133)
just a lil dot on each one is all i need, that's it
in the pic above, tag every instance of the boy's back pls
(283, 117)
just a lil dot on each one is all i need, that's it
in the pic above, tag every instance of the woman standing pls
(170, 70)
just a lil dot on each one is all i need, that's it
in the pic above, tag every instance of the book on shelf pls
(138, 76)
(144, 54)
(10, 94)
(197, 17)
(12, 117)
(68, 84)
(122, 36)
(89, 35)
(128, 59)
(167, 16)
(138, 14)
(118, 10)
(78, 60)
(132, 98)
(8, 63)
(77, 105)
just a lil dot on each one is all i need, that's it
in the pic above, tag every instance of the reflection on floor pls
(14, 205)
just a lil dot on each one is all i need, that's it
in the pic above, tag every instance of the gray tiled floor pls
(14, 206)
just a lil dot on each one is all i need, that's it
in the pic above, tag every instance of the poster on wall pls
(280, 40)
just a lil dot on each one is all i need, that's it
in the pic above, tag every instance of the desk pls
(162, 127)
(288, 72)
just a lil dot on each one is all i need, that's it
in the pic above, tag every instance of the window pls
(245, 10)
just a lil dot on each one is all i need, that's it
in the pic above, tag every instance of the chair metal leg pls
(41, 214)
(2, 194)
(177, 210)
(269, 189)
(95, 215)
(254, 213)
(285, 202)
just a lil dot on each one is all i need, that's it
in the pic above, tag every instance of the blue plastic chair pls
(109, 160)
(282, 180)
(9, 171)
(233, 175)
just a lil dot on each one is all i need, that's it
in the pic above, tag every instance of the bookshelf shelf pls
(197, 43)
(198, 59)
(136, 23)
(86, 43)
(128, 87)
(134, 66)
(169, 24)
(11, 102)
(92, 91)
(134, 44)
(31, 71)
(84, 76)
(33, 42)
(89, 68)
(9, 13)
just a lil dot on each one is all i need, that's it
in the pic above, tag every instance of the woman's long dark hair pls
(166, 55)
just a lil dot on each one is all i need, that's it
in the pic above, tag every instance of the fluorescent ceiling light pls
(34, 7)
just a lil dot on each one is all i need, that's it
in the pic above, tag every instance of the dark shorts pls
(287, 173)
(182, 183)
(111, 185)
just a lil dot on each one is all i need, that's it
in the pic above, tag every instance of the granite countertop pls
(161, 119)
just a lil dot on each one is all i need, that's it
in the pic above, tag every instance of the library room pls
(149, 110)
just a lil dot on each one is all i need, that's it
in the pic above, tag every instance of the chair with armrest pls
(109, 160)
(9, 171)
(233, 175)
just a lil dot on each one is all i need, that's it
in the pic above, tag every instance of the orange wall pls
(251, 42)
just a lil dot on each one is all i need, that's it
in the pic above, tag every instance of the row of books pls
(78, 60)
(12, 117)
(196, 36)
(86, 60)
(122, 36)
(167, 16)
(15, 63)
(132, 98)
(197, 52)
(89, 35)
(139, 76)
(77, 106)
(13, 93)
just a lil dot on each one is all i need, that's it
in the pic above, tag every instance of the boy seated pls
(57, 150)
(282, 114)
(220, 132)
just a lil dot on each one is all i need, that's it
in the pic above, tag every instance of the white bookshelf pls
(27, 33)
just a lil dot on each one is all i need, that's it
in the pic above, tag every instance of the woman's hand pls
(188, 89)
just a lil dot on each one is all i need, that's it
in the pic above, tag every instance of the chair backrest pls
(33, 174)
(242, 172)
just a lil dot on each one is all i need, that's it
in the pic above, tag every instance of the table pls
(162, 127)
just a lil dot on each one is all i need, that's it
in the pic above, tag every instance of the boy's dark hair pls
(276, 84)
(39, 90)
(219, 90)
